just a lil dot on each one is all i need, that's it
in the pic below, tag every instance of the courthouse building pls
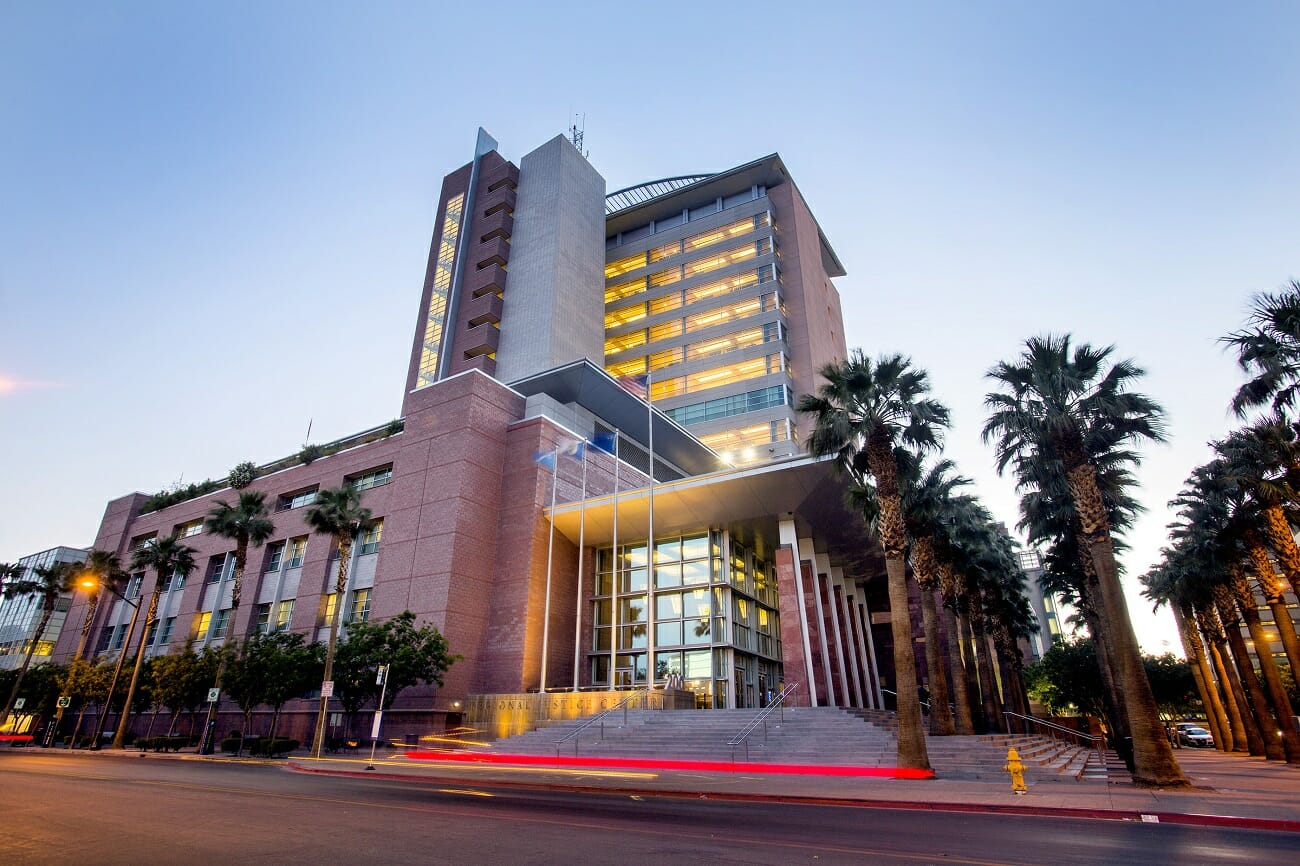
(550, 310)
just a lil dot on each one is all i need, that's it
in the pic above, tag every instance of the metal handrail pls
(600, 717)
(1097, 742)
(777, 702)
(925, 704)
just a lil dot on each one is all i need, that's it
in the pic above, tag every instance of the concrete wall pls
(554, 310)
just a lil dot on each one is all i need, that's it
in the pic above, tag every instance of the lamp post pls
(90, 586)
(117, 669)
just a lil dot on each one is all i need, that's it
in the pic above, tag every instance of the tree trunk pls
(1256, 700)
(1154, 763)
(1205, 685)
(1274, 689)
(345, 554)
(1116, 717)
(984, 667)
(1274, 589)
(970, 674)
(150, 617)
(1283, 543)
(941, 722)
(960, 700)
(1245, 730)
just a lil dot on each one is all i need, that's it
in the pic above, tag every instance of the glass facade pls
(708, 615)
(435, 317)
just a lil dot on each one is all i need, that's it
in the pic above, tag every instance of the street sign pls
(65, 701)
(214, 695)
(18, 704)
(327, 689)
(374, 729)
(383, 674)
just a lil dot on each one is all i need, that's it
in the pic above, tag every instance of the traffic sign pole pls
(382, 680)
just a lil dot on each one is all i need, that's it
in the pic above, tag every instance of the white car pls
(1195, 736)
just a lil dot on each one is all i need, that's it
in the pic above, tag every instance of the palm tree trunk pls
(27, 660)
(1278, 530)
(970, 674)
(1275, 691)
(1154, 763)
(988, 700)
(150, 617)
(941, 722)
(1117, 716)
(960, 700)
(1205, 685)
(1258, 703)
(1245, 731)
(345, 554)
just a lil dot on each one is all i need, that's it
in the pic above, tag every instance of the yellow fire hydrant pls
(1016, 768)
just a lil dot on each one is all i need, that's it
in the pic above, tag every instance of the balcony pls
(490, 280)
(499, 199)
(503, 175)
(481, 340)
(494, 252)
(499, 225)
(483, 309)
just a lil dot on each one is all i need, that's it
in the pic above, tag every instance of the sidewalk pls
(1229, 790)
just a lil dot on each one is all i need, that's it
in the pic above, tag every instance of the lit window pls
(331, 605)
(201, 623)
(630, 367)
(296, 550)
(370, 540)
(441, 287)
(283, 614)
(193, 527)
(625, 265)
(624, 290)
(624, 316)
(360, 611)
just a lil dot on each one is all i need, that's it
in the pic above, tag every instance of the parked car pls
(1191, 734)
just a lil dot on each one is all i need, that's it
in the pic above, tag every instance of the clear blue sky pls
(216, 217)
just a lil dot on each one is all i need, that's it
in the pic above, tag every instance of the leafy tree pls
(338, 513)
(86, 683)
(413, 655)
(270, 669)
(1067, 678)
(48, 584)
(1172, 684)
(181, 682)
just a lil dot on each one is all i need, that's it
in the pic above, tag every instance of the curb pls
(1278, 825)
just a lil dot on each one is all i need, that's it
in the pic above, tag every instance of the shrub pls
(242, 475)
(278, 746)
(232, 744)
(310, 453)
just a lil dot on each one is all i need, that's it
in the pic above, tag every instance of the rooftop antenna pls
(576, 133)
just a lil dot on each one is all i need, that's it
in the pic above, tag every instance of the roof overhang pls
(748, 502)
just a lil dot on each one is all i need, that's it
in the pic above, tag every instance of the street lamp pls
(117, 669)
(90, 585)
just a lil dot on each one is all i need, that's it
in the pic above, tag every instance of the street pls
(73, 808)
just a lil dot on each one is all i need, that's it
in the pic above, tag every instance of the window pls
(141, 540)
(220, 623)
(263, 618)
(216, 568)
(370, 478)
(296, 550)
(193, 527)
(133, 584)
(274, 556)
(119, 637)
(360, 606)
(175, 580)
(201, 623)
(151, 633)
(441, 287)
(297, 499)
(370, 540)
(283, 614)
(331, 605)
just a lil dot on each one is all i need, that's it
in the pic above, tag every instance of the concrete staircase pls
(801, 735)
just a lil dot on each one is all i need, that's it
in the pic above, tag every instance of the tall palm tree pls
(247, 522)
(48, 584)
(339, 514)
(9, 572)
(1268, 350)
(862, 411)
(1050, 398)
(168, 558)
(104, 569)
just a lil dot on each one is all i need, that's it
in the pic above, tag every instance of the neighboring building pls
(1276, 649)
(20, 616)
(1043, 603)
(528, 313)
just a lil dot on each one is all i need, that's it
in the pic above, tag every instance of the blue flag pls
(604, 441)
(545, 458)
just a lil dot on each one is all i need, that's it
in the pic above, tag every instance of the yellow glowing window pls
(624, 290)
(630, 367)
(615, 345)
(436, 313)
(664, 303)
(727, 343)
(745, 437)
(665, 330)
(727, 257)
(667, 388)
(660, 253)
(665, 278)
(624, 316)
(720, 315)
(331, 605)
(737, 372)
(721, 287)
(659, 360)
(626, 265)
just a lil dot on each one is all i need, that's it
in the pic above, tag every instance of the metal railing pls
(925, 704)
(777, 702)
(1055, 732)
(600, 717)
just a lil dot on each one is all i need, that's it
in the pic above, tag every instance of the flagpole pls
(614, 578)
(550, 545)
(582, 534)
(650, 541)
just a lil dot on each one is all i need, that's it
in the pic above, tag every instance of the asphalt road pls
(81, 809)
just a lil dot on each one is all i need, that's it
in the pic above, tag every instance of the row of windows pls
(695, 242)
(699, 321)
(737, 404)
(702, 291)
(741, 438)
(756, 336)
(671, 300)
(442, 274)
(718, 376)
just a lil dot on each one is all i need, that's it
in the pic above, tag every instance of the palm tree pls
(168, 558)
(105, 570)
(9, 572)
(1051, 398)
(1268, 350)
(246, 522)
(50, 582)
(337, 513)
(862, 412)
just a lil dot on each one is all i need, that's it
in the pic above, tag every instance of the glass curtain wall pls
(710, 617)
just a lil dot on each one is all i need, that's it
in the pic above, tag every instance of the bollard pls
(1016, 768)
